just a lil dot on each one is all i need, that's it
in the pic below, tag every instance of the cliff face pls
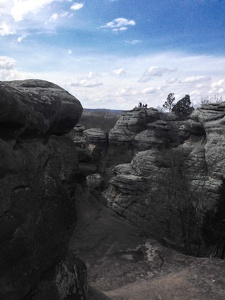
(39, 169)
(170, 165)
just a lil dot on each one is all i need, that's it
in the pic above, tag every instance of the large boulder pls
(36, 107)
(38, 181)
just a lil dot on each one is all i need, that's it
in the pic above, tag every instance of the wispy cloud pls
(21, 8)
(119, 24)
(152, 90)
(6, 29)
(7, 62)
(91, 80)
(196, 79)
(119, 72)
(20, 38)
(155, 71)
(134, 42)
(218, 87)
(77, 6)
(8, 69)
(218, 84)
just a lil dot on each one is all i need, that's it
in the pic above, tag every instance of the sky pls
(116, 53)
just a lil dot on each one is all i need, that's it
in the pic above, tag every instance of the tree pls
(169, 102)
(183, 107)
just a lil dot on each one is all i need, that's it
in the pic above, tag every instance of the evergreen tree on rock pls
(183, 107)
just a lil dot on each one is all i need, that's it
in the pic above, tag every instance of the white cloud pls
(21, 8)
(119, 24)
(126, 91)
(155, 71)
(5, 29)
(91, 80)
(20, 38)
(218, 84)
(77, 6)
(196, 79)
(7, 63)
(171, 80)
(152, 90)
(53, 17)
(8, 70)
(218, 87)
(119, 72)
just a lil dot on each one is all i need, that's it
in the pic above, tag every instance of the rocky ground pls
(125, 263)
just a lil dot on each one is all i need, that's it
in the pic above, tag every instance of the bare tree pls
(169, 103)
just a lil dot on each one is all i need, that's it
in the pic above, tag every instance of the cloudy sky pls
(115, 53)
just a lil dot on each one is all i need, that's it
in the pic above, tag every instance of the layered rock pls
(194, 147)
(38, 175)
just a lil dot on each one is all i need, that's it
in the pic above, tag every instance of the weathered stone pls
(120, 135)
(133, 266)
(197, 144)
(95, 135)
(36, 106)
(134, 120)
(94, 181)
(38, 181)
(147, 139)
(67, 280)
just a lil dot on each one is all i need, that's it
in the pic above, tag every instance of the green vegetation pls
(182, 108)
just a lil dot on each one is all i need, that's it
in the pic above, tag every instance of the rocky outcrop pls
(36, 106)
(95, 135)
(125, 263)
(38, 180)
(167, 155)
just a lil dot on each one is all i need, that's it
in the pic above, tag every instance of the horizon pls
(116, 53)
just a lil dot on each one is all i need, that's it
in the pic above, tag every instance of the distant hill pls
(100, 118)
(88, 111)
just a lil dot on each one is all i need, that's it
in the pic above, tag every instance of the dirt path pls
(125, 265)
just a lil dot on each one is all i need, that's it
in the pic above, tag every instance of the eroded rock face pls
(198, 145)
(38, 175)
(36, 106)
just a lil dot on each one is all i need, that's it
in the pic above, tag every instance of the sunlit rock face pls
(38, 175)
(139, 188)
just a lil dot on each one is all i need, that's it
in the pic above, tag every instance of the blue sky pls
(115, 53)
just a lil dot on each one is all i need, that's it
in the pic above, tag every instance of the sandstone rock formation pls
(39, 170)
(139, 190)
(126, 264)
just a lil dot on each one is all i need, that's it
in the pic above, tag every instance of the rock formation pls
(126, 264)
(155, 142)
(39, 170)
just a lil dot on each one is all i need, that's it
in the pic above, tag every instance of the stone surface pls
(125, 263)
(94, 181)
(95, 135)
(36, 106)
(38, 182)
(198, 145)
(66, 280)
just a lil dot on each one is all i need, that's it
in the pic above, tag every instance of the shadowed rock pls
(38, 181)
(37, 107)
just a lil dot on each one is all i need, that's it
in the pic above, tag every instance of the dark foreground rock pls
(126, 264)
(38, 183)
